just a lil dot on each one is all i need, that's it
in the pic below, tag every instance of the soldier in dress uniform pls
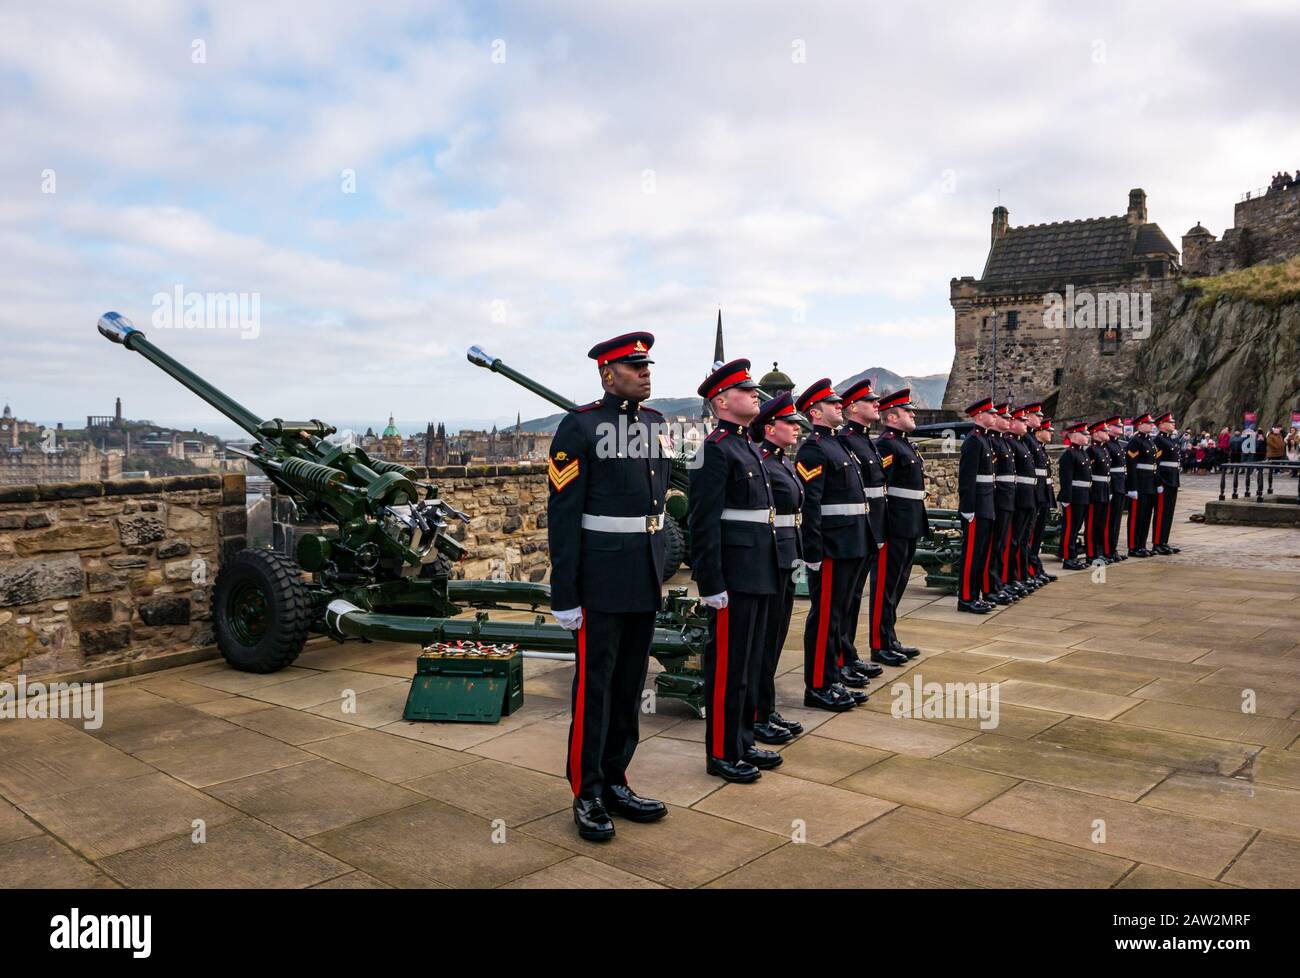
(1118, 496)
(1141, 453)
(861, 410)
(905, 520)
(1169, 456)
(835, 542)
(1076, 493)
(734, 562)
(975, 490)
(1017, 568)
(777, 430)
(997, 588)
(1098, 525)
(1040, 436)
(607, 559)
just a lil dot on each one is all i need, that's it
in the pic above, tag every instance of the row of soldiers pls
(847, 509)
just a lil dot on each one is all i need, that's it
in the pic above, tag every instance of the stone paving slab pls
(288, 726)
(1228, 799)
(819, 868)
(1157, 878)
(386, 756)
(1219, 724)
(39, 773)
(581, 873)
(204, 761)
(1271, 861)
(41, 863)
(494, 790)
(1061, 766)
(816, 813)
(1172, 750)
(920, 782)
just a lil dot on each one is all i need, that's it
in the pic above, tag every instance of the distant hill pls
(927, 392)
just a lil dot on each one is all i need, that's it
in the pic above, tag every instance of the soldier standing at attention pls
(734, 562)
(1076, 493)
(1026, 486)
(777, 428)
(1169, 455)
(861, 410)
(997, 588)
(1099, 501)
(1040, 436)
(975, 503)
(834, 545)
(607, 562)
(1118, 477)
(905, 520)
(1141, 452)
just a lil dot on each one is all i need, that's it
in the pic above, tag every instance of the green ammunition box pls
(466, 685)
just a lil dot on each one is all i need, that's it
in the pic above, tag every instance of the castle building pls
(1054, 315)
(1266, 228)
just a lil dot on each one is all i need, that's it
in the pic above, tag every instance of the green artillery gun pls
(676, 534)
(385, 574)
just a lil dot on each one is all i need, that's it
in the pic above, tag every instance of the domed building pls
(775, 381)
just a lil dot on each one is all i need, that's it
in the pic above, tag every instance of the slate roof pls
(1072, 249)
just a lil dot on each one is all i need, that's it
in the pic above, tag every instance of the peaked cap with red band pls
(898, 399)
(628, 348)
(861, 391)
(980, 406)
(816, 393)
(729, 375)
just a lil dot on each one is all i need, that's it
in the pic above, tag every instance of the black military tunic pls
(733, 550)
(1004, 502)
(1118, 497)
(1017, 566)
(1044, 501)
(838, 540)
(975, 494)
(787, 494)
(1076, 495)
(1141, 452)
(855, 438)
(1098, 525)
(905, 521)
(613, 575)
(1169, 455)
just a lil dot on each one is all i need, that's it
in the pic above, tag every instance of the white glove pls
(1132, 494)
(718, 600)
(968, 516)
(572, 619)
(1160, 489)
(814, 567)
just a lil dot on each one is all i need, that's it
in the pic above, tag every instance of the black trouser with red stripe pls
(1116, 514)
(1096, 528)
(850, 618)
(1018, 565)
(736, 635)
(999, 550)
(1072, 518)
(608, 678)
(1165, 503)
(829, 591)
(893, 565)
(1034, 546)
(1139, 519)
(976, 536)
(763, 678)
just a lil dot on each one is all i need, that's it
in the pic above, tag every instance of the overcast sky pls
(538, 177)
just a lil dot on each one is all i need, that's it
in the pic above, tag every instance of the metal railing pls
(1265, 191)
(1258, 471)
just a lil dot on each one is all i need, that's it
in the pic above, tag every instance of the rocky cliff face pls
(1208, 363)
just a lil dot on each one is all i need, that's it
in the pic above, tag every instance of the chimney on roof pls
(1137, 206)
(1001, 220)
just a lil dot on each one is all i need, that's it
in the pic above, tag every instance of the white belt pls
(1004, 478)
(750, 515)
(1041, 473)
(1172, 465)
(1078, 484)
(845, 509)
(1101, 478)
(1144, 465)
(906, 493)
(789, 519)
(623, 524)
(874, 492)
(983, 478)
(1026, 480)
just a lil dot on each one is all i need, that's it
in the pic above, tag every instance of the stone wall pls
(506, 535)
(98, 573)
(1265, 229)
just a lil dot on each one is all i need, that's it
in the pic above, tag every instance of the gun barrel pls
(479, 358)
(119, 329)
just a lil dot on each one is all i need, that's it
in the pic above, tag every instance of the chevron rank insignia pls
(561, 475)
(807, 474)
(887, 461)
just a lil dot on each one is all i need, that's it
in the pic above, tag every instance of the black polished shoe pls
(1176, 550)
(901, 649)
(739, 772)
(764, 760)
(1121, 556)
(827, 699)
(888, 657)
(1074, 564)
(592, 819)
(854, 679)
(772, 733)
(794, 726)
(999, 597)
(622, 801)
(1139, 553)
(1049, 578)
(974, 607)
(857, 695)
(867, 670)
(1160, 548)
